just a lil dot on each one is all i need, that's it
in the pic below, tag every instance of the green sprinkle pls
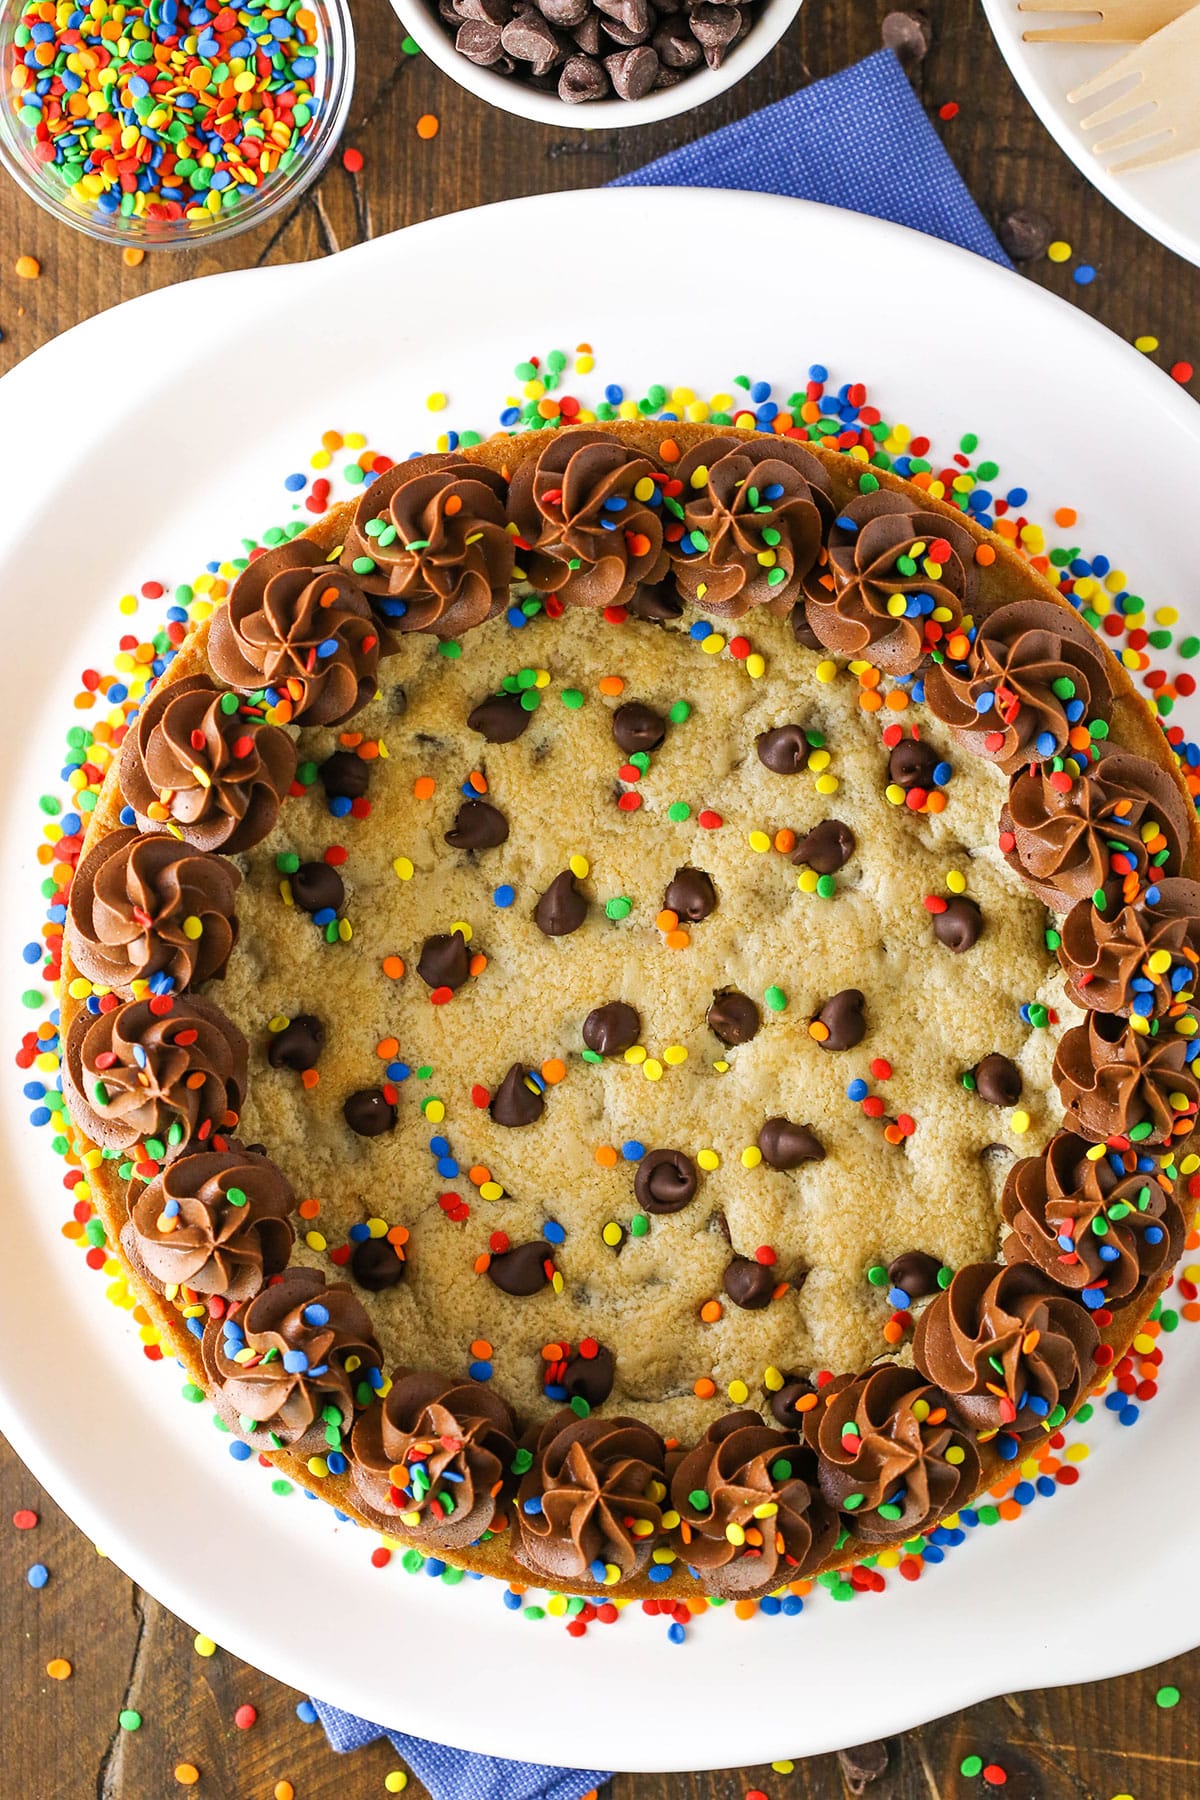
(826, 886)
(775, 998)
(450, 649)
(679, 712)
(619, 907)
(129, 1720)
(32, 997)
(572, 699)
(678, 811)
(534, 1612)
(282, 1488)
(287, 862)
(877, 1275)
(192, 1393)
(639, 1225)
(970, 1766)
(1167, 1697)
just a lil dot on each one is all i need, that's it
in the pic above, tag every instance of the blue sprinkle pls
(38, 1575)
(676, 1634)
(659, 1572)
(818, 372)
(295, 1362)
(532, 1506)
(504, 895)
(358, 1234)
(632, 1151)
(480, 1371)
(294, 483)
(699, 631)
(440, 1146)
(511, 1600)
(857, 1090)
(315, 1314)
(1084, 275)
(1046, 1485)
(306, 1712)
(240, 1452)
(553, 1232)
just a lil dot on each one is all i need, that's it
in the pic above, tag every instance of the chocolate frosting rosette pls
(298, 627)
(892, 1455)
(204, 766)
(753, 515)
(1013, 1351)
(1103, 1224)
(750, 1515)
(434, 1459)
(214, 1222)
(289, 1369)
(149, 909)
(430, 547)
(1116, 1082)
(590, 1505)
(895, 582)
(163, 1073)
(1138, 959)
(588, 514)
(1070, 828)
(1031, 683)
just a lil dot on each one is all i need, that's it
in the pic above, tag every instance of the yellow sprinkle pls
(751, 1156)
(819, 760)
(1020, 1122)
(674, 1055)
(955, 1453)
(635, 1054)
(759, 841)
(193, 927)
(826, 671)
(403, 868)
(643, 489)
(316, 1240)
(738, 1392)
(772, 1379)
(708, 1159)
(807, 881)
(827, 784)
(435, 1111)
(612, 1234)
(316, 1465)
(1147, 344)
(580, 867)
(1076, 1453)
(203, 1646)
(436, 402)
(463, 929)
(713, 644)
(956, 881)
(756, 666)
(652, 1069)
(395, 1781)
(491, 1190)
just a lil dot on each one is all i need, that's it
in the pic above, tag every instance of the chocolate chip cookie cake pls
(614, 1114)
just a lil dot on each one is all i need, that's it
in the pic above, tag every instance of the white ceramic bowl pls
(420, 19)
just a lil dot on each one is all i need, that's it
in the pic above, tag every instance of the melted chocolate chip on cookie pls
(638, 727)
(299, 1045)
(445, 960)
(500, 718)
(690, 895)
(317, 887)
(612, 1028)
(562, 908)
(998, 1080)
(665, 1181)
(733, 1016)
(376, 1266)
(827, 848)
(515, 1102)
(477, 826)
(344, 776)
(842, 1017)
(786, 1146)
(523, 1270)
(369, 1112)
(958, 923)
(784, 750)
(748, 1283)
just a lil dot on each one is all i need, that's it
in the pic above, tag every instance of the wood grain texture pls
(60, 1740)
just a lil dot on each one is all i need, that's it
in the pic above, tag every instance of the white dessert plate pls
(1164, 201)
(181, 413)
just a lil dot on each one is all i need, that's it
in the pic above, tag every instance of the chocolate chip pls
(501, 717)
(317, 887)
(715, 28)
(565, 13)
(612, 1028)
(959, 924)
(658, 604)
(908, 34)
(733, 1017)
(916, 1273)
(515, 1102)
(487, 12)
(344, 776)
(826, 848)
(998, 1080)
(637, 727)
(521, 1270)
(587, 36)
(375, 1265)
(299, 1045)
(863, 1765)
(912, 763)
(842, 1016)
(477, 826)
(784, 1401)
(480, 42)
(628, 20)
(530, 39)
(582, 78)
(632, 72)
(786, 1146)
(369, 1112)
(1025, 234)
(677, 48)
(803, 632)
(562, 908)
(749, 1284)
(691, 895)
(589, 1378)
(445, 960)
(665, 1181)
(784, 750)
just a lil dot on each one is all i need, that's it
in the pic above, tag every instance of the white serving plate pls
(1164, 201)
(211, 391)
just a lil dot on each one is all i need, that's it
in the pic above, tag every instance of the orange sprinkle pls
(453, 505)
(58, 1668)
(393, 967)
(331, 440)
(611, 684)
(554, 1352)
(936, 801)
(478, 1174)
(478, 781)
(428, 125)
(398, 1235)
(386, 1048)
(669, 450)
(187, 1774)
(553, 1070)
(985, 555)
(893, 1332)
(310, 1077)
(481, 1263)
(677, 940)
(1065, 515)
(478, 963)
(745, 1609)
(308, 1209)
(481, 1349)
(639, 543)
(667, 920)
(869, 678)
(423, 787)
(870, 702)
(818, 1031)
(896, 700)
(606, 1156)
(704, 1388)
(711, 1311)
(785, 840)
(132, 255)
(28, 268)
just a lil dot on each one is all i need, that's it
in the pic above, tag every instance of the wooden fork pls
(1119, 21)
(1167, 72)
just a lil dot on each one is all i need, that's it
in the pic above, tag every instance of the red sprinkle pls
(24, 1519)
(352, 160)
(245, 1717)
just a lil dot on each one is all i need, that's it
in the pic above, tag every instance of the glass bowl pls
(332, 85)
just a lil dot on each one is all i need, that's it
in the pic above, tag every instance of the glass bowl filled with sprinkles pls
(158, 123)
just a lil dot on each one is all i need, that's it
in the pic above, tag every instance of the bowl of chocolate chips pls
(597, 63)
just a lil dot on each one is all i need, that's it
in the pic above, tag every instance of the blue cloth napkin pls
(860, 140)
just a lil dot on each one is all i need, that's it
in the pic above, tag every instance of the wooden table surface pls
(60, 1739)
